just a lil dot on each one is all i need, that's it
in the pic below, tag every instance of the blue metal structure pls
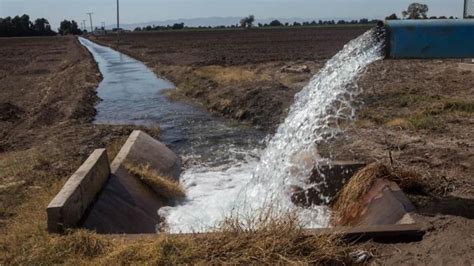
(425, 39)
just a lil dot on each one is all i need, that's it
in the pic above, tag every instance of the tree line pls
(414, 11)
(248, 22)
(22, 26)
(417, 11)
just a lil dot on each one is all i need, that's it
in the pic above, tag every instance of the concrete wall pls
(81, 189)
(108, 199)
(329, 178)
(385, 204)
(126, 205)
(140, 148)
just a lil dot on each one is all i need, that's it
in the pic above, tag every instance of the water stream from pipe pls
(290, 155)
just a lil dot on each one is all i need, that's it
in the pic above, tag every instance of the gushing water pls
(290, 155)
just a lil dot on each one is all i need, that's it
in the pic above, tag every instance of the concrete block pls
(126, 205)
(78, 193)
(467, 66)
(386, 204)
(140, 148)
(327, 179)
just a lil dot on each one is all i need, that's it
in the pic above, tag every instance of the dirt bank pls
(416, 115)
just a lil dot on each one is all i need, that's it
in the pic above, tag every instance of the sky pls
(138, 11)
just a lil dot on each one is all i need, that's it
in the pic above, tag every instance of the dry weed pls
(163, 186)
(348, 204)
(113, 148)
(226, 75)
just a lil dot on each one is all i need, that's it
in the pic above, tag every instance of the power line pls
(118, 23)
(90, 17)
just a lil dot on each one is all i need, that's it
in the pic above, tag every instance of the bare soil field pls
(415, 115)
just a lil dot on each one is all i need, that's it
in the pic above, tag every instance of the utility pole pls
(90, 18)
(103, 24)
(84, 24)
(118, 23)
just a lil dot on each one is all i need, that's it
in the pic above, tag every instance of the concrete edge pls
(124, 151)
(466, 66)
(140, 148)
(80, 190)
(392, 233)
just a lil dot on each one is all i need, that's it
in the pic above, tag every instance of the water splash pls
(290, 155)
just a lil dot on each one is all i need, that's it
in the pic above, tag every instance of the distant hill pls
(216, 21)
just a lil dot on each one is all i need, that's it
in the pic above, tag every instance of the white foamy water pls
(250, 185)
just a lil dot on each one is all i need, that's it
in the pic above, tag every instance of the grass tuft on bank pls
(161, 185)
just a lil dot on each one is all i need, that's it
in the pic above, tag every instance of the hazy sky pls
(135, 11)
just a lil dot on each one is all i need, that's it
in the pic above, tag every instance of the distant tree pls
(287, 24)
(178, 26)
(22, 26)
(260, 25)
(247, 22)
(296, 24)
(275, 23)
(69, 27)
(392, 17)
(43, 28)
(40, 25)
(416, 11)
(5, 27)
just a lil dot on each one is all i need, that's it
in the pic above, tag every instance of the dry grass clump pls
(270, 241)
(163, 186)
(414, 182)
(399, 123)
(348, 204)
(81, 243)
(78, 245)
(226, 75)
(25, 240)
(113, 148)
(427, 121)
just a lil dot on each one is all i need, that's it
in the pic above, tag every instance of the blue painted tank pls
(426, 39)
